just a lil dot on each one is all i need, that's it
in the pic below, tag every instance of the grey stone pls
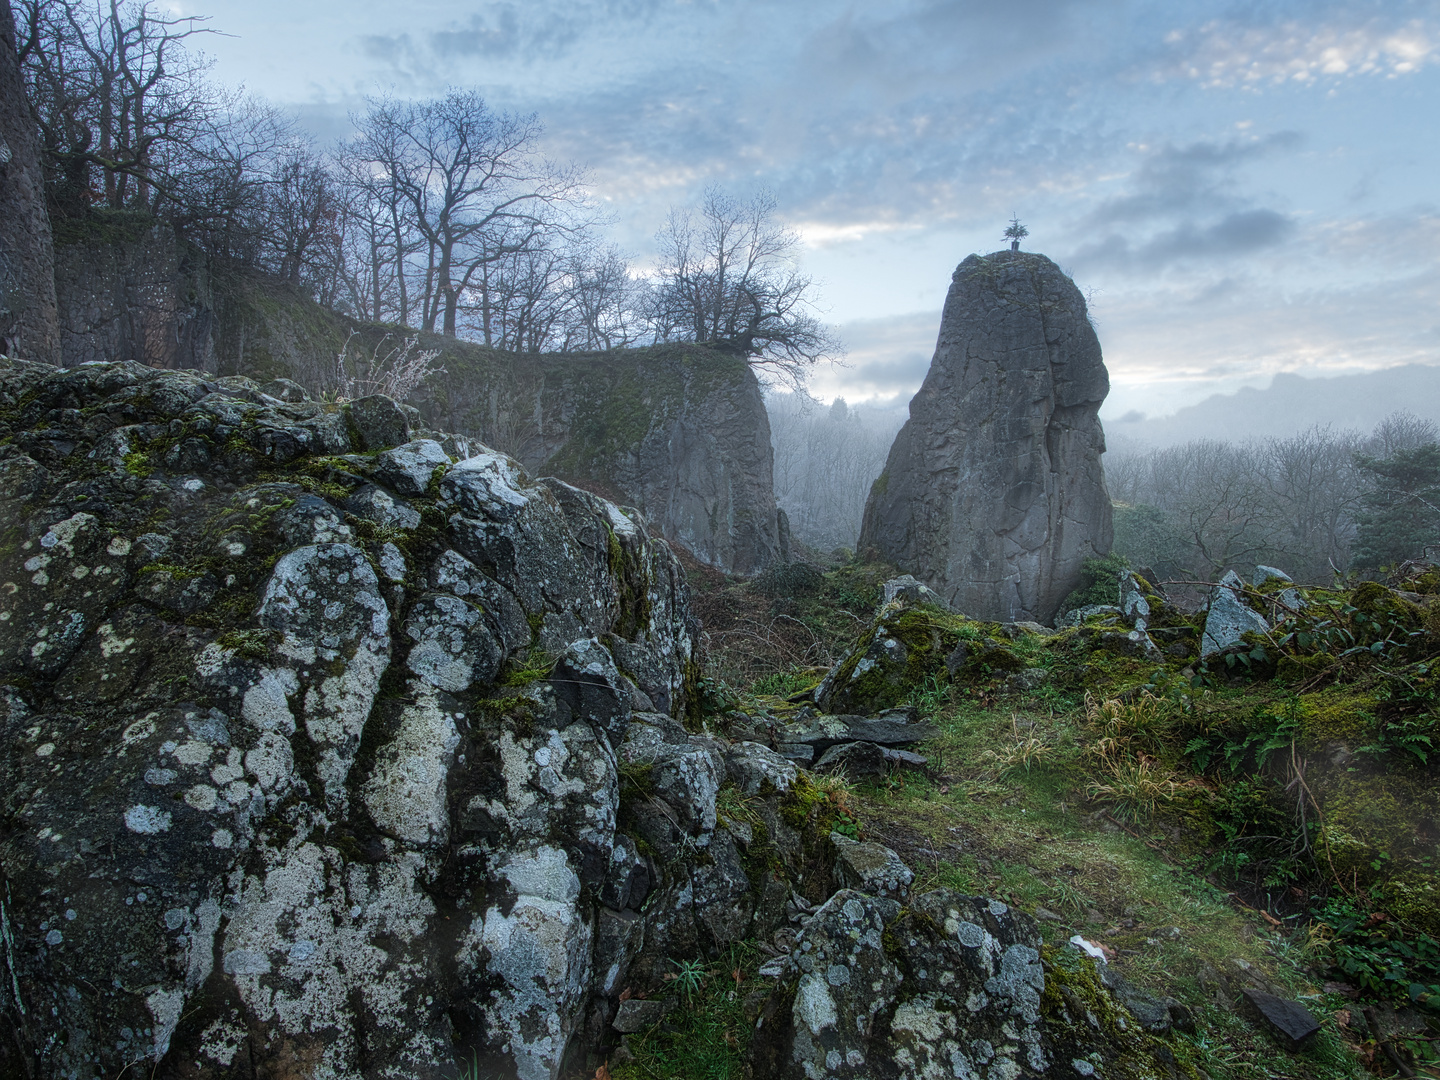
(856, 760)
(1289, 1021)
(453, 648)
(870, 868)
(993, 493)
(846, 984)
(800, 753)
(756, 769)
(1229, 616)
(906, 588)
(379, 421)
(825, 731)
(409, 468)
(1152, 1013)
(285, 390)
(1262, 574)
(1290, 600)
(589, 684)
(1135, 609)
(1082, 615)
(378, 505)
(636, 1015)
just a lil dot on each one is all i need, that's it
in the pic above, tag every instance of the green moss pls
(137, 463)
(251, 644)
(1336, 714)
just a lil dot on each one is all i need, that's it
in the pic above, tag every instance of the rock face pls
(27, 257)
(950, 986)
(993, 494)
(679, 431)
(310, 757)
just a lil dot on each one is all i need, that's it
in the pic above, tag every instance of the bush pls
(1099, 582)
(790, 579)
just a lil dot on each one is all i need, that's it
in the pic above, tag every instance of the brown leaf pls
(602, 1073)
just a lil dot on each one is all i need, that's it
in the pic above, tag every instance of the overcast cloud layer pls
(1241, 188)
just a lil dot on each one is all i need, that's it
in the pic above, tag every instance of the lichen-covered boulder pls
(908, 642)
(950, 986)
(870, 868)
(1229, 617)
(299, 778)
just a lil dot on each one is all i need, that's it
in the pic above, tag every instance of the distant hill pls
(1292, 403)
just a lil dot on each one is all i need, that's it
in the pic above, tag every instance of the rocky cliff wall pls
(679, 431)
(130, 289)
(993, 493)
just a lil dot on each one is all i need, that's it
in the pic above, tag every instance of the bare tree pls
(114, 86)
(470, 182)
(728, 275)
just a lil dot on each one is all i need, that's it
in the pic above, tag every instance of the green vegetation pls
(1263, 820)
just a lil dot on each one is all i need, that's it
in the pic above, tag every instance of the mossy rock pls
(906, 646)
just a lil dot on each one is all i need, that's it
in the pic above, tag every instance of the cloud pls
(887, 359)
(1227, 54)
(1239, 233)
(1185, 203)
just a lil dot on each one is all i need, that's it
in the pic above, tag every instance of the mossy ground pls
(1152, 807)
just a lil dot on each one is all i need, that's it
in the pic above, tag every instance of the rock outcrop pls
(993, 493)
(312, 757)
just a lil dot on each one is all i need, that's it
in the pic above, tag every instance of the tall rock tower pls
(993, 493)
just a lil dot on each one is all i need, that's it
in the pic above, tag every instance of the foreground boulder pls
(311, 757)
(993, 493)
(950, 986)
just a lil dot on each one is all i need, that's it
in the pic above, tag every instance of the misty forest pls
(468, 612)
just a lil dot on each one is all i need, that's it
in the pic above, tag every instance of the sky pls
(1239, 189)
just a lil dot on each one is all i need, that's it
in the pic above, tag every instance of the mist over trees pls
(1313, 504)
(826, 458)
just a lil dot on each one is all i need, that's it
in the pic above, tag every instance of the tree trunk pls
(29, 324)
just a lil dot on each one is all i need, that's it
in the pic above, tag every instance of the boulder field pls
(337, 747)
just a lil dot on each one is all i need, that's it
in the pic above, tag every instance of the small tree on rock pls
(1015, 232)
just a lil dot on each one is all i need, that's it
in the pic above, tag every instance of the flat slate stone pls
(855, 760)
(636, 1015)
(823, 732)
(1291, 1022)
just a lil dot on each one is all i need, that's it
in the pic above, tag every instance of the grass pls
(1140, 805)
(1016, 825)
(705, 1035)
